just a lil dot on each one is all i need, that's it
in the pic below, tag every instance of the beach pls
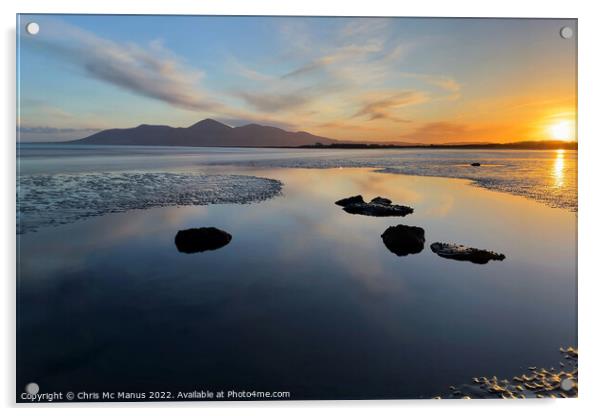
(305, 297)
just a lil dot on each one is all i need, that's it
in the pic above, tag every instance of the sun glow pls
(561, 130)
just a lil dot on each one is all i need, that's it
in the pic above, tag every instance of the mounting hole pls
(32, 28)
(566, 32)
(32, 388)
(567, 384)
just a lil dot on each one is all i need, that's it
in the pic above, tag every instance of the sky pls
(416, 80)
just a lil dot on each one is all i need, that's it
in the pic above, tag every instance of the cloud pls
(444, 82)
(438, 132)
(269, 102)
(33, 133)
(312, 66)
(344, 125)
(46, 108)
(335, 78)
(448, 84)
(385, 107)
(150, 71)
(240, 69)
(355, 41)
(53, 130)
(38, 117)
(238, 122)
(365, 27)
(347, 52)
(360, 52)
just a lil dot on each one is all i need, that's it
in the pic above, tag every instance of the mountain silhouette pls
(206, 132)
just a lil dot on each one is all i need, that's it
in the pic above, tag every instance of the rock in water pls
(460, 252)
(378, 207)
(351, 200)
(381, 200)
(403, 239)
(196, 240)
(475, 164)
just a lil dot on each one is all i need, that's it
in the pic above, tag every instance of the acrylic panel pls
(295, 208)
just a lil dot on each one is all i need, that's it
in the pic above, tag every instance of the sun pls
(561, 130)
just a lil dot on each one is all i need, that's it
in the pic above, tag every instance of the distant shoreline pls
(543, 145)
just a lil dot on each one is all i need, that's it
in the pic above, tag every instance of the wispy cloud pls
(444, 82)
(385, 107)
(53, 130)
(242, 70)
(47, 133)
(150, 71)
(333, 79)
(312, 66)
(347, 52)
(270, 102)
(437, 132)
(42, 106)
(365, 27)
(38, 116)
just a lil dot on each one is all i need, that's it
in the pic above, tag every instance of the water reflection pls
(308, 290)
(558, 171)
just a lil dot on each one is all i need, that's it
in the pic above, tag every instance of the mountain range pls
(207, 132)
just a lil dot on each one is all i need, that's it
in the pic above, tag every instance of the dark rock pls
(351, 200)
(378, 207)
(460, 252)
(381, 200)
(403, 239)
(475, 164)
(196, 240)
(378, 210)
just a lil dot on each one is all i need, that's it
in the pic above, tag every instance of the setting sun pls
(561, 130)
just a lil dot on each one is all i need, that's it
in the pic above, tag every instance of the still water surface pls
(305, 298)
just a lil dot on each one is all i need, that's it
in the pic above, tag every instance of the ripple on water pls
(50, 200)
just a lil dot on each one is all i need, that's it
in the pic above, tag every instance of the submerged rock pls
(475, 164)
(460, 252)
(377, 207)
(404, 239)
(196, 240)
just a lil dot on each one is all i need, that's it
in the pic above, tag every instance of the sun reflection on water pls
(558, 170)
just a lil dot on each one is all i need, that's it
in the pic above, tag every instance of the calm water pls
(306, 298)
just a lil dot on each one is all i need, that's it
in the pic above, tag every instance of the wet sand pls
(561, 382)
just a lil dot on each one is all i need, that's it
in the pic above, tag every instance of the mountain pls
(209, 132)
(206, 132)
